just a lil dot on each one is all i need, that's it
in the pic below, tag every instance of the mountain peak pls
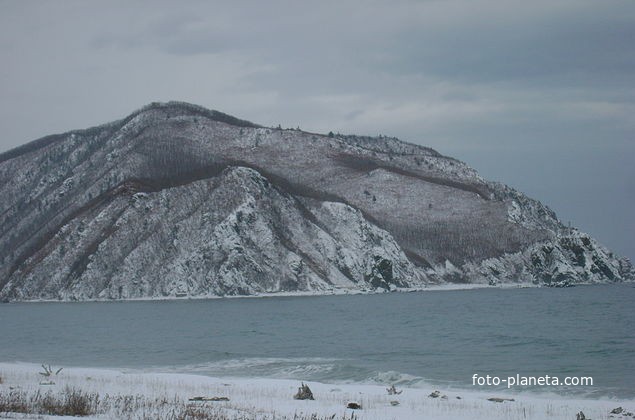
(178, 108)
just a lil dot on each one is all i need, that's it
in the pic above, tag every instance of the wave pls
(317, 369)
(347, 371)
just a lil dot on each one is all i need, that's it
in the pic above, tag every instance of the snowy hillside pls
(176, 200)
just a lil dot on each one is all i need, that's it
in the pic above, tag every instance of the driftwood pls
(48, 371)
(304, 393)
(435, 394)
(499, 400)
(393, 391)
(209, 399)
(624, 413)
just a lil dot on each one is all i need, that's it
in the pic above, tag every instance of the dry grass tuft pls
(71, 402)
(14, 402)
(77, 403)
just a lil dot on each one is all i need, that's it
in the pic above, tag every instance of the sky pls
(537, 94)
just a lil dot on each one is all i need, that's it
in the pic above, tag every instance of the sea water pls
(429, 338)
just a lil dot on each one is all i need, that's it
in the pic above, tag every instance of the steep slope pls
(176, 199)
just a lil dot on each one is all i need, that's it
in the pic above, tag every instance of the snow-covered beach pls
(139, 395)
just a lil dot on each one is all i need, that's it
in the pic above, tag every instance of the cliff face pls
(178, 200)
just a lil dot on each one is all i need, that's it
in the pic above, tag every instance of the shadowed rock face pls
(178, 200)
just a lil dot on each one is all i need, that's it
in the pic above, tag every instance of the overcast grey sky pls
(537, 94)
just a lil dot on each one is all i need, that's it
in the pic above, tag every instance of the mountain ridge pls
(440, 219)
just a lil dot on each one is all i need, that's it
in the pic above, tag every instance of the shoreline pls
(265, 398)
(334, 292)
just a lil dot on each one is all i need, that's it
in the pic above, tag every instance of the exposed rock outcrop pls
(178, 200)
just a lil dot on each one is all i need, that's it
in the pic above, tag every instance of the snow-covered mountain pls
(179, 200)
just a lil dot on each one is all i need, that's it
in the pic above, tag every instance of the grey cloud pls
(573, 50)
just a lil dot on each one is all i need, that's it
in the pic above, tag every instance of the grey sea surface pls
(430, 338)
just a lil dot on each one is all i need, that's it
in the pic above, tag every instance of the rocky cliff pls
(178, 200)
